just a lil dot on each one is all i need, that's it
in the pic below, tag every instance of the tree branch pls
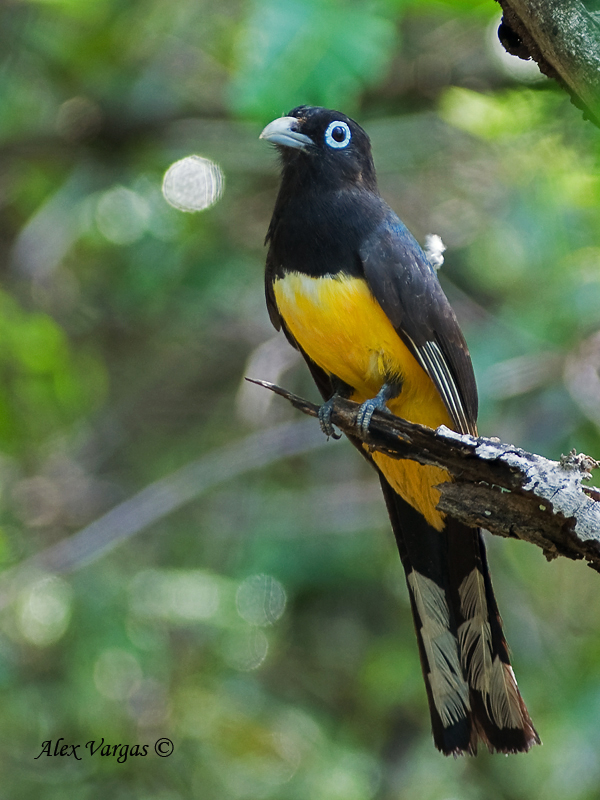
(563, 37)
(502, 488)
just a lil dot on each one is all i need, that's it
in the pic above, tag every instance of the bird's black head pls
(323, 144)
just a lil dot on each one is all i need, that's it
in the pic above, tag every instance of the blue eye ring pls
(338, 135)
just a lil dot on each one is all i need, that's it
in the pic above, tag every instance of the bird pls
(353, 291)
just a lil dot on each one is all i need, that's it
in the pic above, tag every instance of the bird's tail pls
(470, 684)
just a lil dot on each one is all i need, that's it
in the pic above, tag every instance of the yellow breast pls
(344, 330)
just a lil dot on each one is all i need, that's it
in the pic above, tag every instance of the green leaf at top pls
(308, 51)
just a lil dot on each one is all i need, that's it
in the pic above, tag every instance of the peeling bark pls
(500, 487)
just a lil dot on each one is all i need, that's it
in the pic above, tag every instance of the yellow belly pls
(344, 330)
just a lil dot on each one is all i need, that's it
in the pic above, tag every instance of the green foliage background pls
(254, 610)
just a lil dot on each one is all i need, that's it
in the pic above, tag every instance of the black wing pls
(406, 287)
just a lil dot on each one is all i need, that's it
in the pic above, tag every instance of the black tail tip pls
(507, 741)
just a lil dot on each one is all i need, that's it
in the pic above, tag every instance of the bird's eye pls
(338, 134)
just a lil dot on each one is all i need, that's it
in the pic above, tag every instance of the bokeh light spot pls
(122, 215)
(78, 118)
(356, 776)
(175, 594)
(246, 650)
(193, 184)
(193, 595)
(148, 704)
(117, 674)
(45, 610)
(260, 600)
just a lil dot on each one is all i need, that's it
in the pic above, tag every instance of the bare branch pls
(502, 488)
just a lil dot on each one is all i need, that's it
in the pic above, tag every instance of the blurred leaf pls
(44, 385)
(319, 52)
(494, 116)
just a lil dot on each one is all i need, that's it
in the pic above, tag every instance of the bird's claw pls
(324, 414)
(377, 403)
(366, 411)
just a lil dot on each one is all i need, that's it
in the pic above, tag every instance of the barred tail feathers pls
(471, 687)
(503, 723)
(446, 687)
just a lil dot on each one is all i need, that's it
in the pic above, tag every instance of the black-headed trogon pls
(355, 294)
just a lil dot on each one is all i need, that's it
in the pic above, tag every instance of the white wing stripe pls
(450, 383)
(446, 382)
(434, 363)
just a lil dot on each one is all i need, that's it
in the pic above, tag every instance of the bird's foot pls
(325, 412)
(377, 403)
(366, 411)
